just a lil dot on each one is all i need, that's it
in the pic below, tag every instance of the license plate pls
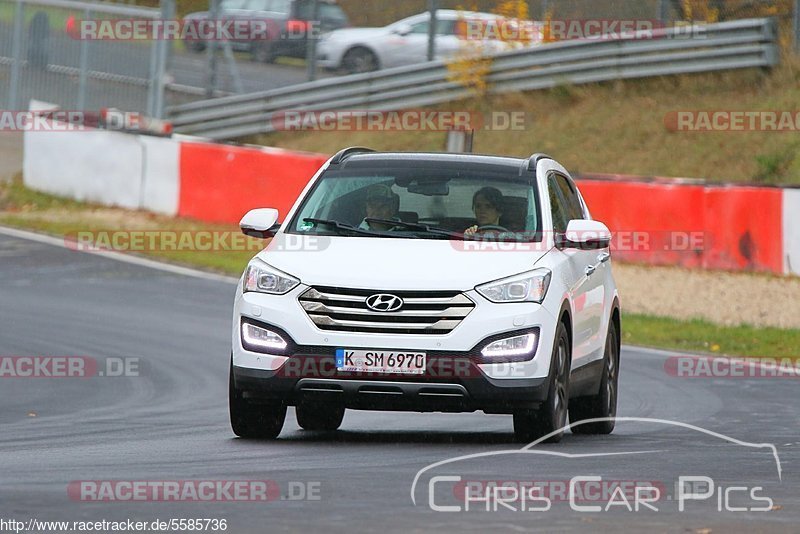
(380, 361)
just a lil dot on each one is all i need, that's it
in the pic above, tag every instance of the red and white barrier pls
(743, 228)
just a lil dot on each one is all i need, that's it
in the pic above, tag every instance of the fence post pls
(84, 67)
(796, 24)
(432, 30)
(311, 42)
(16, 52)
(211, 46)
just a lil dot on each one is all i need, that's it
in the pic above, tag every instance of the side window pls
(445, 27)
(420, 27)
(571, 199)
(557, 206)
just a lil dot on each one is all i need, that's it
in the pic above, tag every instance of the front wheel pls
(358, 60)
(315, 416)
(604, 404)
(551, 416)
(253, 421)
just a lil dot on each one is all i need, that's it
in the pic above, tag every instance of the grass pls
(620, 127)
(21, 207)
(703, 336)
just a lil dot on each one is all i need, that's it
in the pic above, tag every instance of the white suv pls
(428, 282)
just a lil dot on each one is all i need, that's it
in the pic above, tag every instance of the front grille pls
(423, 312)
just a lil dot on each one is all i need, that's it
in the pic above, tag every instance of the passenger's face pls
(485, 213)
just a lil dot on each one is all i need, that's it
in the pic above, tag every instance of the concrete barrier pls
(684, 222)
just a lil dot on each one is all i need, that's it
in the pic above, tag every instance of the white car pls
(428, 282)
(405, 42)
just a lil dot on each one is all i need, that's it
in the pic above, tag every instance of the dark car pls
(287, 23)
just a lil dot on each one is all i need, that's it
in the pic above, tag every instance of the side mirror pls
(402, 30)
(262, 223)
(586, 235)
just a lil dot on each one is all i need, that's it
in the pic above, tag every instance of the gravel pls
(724, 298)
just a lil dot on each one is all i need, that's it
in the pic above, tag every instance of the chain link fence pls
(44, 57)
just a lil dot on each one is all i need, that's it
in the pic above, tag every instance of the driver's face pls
(485, 213)
(380, 208)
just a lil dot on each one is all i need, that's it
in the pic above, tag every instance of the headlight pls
(512, 346)
(526, 287)
(262, 278)
(260, 339)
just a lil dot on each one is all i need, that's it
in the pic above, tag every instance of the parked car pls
(390, 285)
(405, 42)
(288, 23)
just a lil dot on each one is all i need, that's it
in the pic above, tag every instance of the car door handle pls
(601, 259)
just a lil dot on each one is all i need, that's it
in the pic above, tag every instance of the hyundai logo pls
(384, 302)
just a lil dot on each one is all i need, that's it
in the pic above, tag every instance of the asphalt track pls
(170, 423)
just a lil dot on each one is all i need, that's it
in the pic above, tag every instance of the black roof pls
(360, 158)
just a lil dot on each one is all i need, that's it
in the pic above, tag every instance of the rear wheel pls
(263, 52)
(253, 421)
(358, 60)
(604, 404)
(317, 416)
(195, 46)
(530, 425)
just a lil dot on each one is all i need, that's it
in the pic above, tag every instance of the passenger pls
(382, 203)
(487, 203)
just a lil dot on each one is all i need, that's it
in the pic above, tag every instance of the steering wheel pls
(492, 228)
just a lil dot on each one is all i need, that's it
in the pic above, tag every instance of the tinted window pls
(305, 11)
(443, 27)
(557, 206)
(570, 196)
(437, 197)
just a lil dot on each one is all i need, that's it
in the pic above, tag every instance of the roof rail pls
(533, 161)
(347, 152)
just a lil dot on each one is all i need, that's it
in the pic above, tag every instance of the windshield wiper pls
(417, 226)
(342, 227)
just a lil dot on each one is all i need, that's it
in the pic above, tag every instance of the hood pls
(397, 264)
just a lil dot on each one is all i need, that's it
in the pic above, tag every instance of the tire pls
(359, 60)
(195, 46)
(323, 417)
(530, 425)
(253, 421)
(263, 52)
(604, 404)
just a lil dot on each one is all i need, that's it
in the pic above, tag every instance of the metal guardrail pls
(728, 45)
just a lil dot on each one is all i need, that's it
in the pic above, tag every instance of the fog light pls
(511, 346)
(260, 339)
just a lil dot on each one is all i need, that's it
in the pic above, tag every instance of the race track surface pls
(170, 423)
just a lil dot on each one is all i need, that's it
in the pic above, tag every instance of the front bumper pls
(457, 378)
(314, 378)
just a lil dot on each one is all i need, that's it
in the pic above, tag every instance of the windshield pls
(421, 203)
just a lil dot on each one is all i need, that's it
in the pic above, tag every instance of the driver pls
(487, 203)
(382, 203)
